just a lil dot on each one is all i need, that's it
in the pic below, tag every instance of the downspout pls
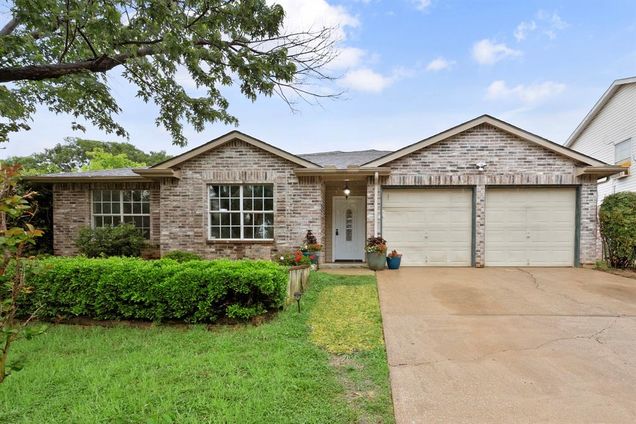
(376, 177)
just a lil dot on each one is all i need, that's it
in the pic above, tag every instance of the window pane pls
(268, 191)
(235, 218)
(235, 204)
(97, 208)
(136, 208)
(145, 196)
(225, 219)
(623, 151)
(247, 191)
(127, 208)
(214, 204)
(106, 195)
(213, 191)
(115, 208)
(145, 221)
(248, 232)
(215, 218)
(247, 204)
(225, 191)
(115, 195)
(269, 233)
(129, 220)
(248, 219)
(258, 204)
(145, 208)
(225, 204)
(127, 195)
(225, 232)
(258, 191)
(236, 191)
(97, 195)
(136, 195)
(106, 208)
(258, 219)
(236, 232)
(98, 222)
(269, 219)
(215, 232)
(269, 204)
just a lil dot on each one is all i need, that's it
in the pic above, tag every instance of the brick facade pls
(510, 161)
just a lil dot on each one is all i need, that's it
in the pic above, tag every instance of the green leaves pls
(60, 52)
(617, 218)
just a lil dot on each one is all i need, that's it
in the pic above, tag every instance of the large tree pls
(56, 53)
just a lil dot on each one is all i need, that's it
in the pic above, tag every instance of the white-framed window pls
(241, 212)
(623, 152)
(114, 207)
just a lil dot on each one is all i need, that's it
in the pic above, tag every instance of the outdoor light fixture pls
(297, 296)
(481, 166)
(347, 190)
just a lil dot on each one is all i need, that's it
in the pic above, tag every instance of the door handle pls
(336, 231)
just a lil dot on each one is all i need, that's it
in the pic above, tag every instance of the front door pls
(348, 228)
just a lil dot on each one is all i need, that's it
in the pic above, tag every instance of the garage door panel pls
(429, 226)
(530, 227)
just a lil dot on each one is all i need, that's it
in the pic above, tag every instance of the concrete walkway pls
(510, 345)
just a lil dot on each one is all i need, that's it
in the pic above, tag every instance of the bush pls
(294, 258)
(159, 290)
(120, 240)
(182, 256)
(617, 218)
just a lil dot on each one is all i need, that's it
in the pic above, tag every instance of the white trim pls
(121, 213)
(486, 119)
(596, 109)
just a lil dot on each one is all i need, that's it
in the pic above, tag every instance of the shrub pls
(182, 256)
(295, 258)
(617, 218)
(375, 244)
(120, 240)
(159, 290)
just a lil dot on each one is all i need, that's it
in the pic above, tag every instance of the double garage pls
(516, 226)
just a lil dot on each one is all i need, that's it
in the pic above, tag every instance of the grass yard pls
(326, 364)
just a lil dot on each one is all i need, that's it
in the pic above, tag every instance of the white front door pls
(348, 228)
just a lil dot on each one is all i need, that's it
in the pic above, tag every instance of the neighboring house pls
(481, 193)
(608, 133)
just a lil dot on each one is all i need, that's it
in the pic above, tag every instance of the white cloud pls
(439, 64)
(347, 57)
(370, 81)
(532, 93)
(421, 4)
(487, 52)
(522, 30)
(303, 15)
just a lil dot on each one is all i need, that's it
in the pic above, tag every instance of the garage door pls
(530, 227)
(429, 226)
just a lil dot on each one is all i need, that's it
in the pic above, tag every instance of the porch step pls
(340, 265)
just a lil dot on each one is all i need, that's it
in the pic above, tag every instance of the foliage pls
(99, 159)
(617, 218)
(181, 256)
(295, 258)
(118, 240)
(310, 243)
(74, 154)
(394, 254)
(159, 290)
(13, 282)
(232, 374)
(54, 52)
(602, 265)
(347, 319)
(376, 244)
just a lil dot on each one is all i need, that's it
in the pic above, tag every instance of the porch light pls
(347, 190)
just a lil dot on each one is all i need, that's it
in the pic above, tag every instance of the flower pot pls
(393, 262)
(376, 260)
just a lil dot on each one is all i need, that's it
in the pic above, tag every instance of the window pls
(114, 207)
(623, 153)
(243, 212)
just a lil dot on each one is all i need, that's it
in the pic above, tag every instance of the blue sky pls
(411, 68)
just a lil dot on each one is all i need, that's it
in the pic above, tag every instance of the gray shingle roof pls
(344, 159)
(119, 172)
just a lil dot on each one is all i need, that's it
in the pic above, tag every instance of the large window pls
(623, 152)
(243, 212)
(114, 207)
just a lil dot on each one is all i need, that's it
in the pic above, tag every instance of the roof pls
(497, 123)
(609, 93)
(120, 174)
(344, 159)
(226, 138)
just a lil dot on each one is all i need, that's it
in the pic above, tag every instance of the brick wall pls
(510, 161)
(298, 203)
(72, 211)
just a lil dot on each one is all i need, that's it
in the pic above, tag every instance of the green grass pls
(270, 373)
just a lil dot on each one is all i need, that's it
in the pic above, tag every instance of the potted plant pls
(311, 248)
(393, 259)
(376, 253)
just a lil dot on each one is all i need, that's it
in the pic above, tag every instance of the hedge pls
(159, 290)
(617, 218)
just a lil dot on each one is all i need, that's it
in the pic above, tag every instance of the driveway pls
(510, 344)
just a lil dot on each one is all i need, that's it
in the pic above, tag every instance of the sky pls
(409, 69)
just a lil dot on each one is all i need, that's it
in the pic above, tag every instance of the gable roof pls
(226, 138)
(344, 159)
(596, 109)
(497, 123)
(105, 175)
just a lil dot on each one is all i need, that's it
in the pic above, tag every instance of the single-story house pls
(483, 193)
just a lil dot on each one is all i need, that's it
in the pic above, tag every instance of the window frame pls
(626, 159)
(121, 213)
(240, 211)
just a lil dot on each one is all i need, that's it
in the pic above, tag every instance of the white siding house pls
(608, 133)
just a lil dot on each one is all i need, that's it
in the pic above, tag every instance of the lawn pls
(290, 369)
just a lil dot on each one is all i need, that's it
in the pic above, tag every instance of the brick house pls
(482, 193)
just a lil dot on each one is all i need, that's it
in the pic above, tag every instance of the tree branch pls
(10, 26)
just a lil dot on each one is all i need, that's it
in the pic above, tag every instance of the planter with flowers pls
(299, 267)
(376, 253)
(311, 248)
(393, 259)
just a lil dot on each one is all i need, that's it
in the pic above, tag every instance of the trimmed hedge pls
(159, 290)
(617, 218)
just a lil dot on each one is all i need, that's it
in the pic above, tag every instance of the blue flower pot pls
(394, 262)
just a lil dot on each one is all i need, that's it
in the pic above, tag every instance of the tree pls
(617, 219)
(99, 159)
(57, 52)
(13, 241)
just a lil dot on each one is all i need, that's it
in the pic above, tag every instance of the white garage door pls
(429, 226)
(530, 227)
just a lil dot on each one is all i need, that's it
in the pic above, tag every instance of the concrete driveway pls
(510, 345)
